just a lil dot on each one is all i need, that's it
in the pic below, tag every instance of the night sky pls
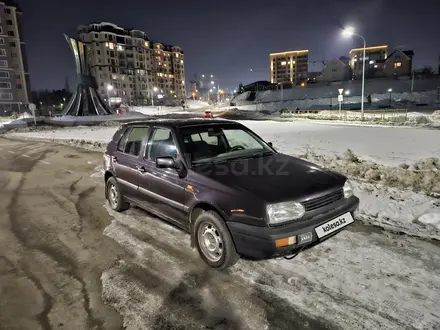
(228, 37)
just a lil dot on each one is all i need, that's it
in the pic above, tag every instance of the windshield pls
(219, 143)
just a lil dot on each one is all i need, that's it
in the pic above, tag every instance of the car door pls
(127, 160)
(162, 188)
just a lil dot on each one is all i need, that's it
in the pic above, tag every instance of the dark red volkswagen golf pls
(232, 191)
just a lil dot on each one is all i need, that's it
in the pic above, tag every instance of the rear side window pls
(131, 142)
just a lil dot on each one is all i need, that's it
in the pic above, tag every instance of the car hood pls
(274, 178)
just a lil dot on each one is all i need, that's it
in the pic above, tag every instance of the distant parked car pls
(228, 188)
(208, 114)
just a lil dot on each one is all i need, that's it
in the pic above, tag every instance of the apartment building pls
(289, 67)
(374, 61)
(15, 88)
(136, 68)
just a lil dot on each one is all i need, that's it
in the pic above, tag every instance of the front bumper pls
(259, 242)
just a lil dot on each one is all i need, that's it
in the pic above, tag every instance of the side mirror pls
(270, 144)
(165, 162)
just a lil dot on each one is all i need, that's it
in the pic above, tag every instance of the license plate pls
(334, 225)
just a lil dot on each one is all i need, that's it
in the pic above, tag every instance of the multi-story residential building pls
(374, 61)
(137, 68)
(15, 88)
(289, 67)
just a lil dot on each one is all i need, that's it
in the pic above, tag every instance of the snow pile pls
(423, 175)
(399, 211)
(25, 115)
(431, 220)
(386, 117)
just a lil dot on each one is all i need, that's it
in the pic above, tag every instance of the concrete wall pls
(376, 86)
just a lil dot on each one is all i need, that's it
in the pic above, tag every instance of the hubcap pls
(113, 195)
(210, 242)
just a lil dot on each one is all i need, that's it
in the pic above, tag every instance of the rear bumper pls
(259, 242)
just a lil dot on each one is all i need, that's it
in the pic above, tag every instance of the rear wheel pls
(214, 242)
(114, 196)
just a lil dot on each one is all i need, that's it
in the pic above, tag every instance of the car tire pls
(211, 236)
(114, 196)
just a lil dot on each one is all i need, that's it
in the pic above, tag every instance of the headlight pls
(282, 212)
(348, 190)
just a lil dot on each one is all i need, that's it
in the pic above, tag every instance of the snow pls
(354, 280)
(401, 211)
(388, 146)
(161, 110)
(431, 219)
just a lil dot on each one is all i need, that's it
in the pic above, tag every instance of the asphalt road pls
(52, 251)
(68, 262)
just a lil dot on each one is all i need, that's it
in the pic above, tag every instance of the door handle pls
(141, 169)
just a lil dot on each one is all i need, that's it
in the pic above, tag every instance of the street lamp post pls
(152, 99)
(390, 91)
(109, 88)
(349, 31)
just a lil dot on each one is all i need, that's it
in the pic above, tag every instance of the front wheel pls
(114, 196)
(214, 242)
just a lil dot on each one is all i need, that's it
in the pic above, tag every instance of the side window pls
(123, 141)
(134, 141)
(161, 144)
(212, 140)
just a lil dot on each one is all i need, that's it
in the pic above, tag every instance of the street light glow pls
(203, 76)
(390, 90)
(235, 91)
(212, 82)
(210, 90)
(348, 31)
(154, 89)
(109, 87)
(347, 92)
(212, 76)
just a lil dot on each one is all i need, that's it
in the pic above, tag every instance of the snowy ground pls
(160, 110)
(389, 146)
(356, 280)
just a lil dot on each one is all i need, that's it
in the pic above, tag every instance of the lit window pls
(181, 61)
(397, 65)
(177, 55)
(147, 44)
(106, 44)
(283, 63)
(111, 45)
(120, 48)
